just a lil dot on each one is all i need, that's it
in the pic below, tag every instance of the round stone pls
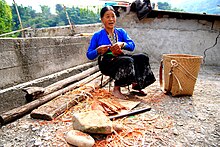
(80, 139)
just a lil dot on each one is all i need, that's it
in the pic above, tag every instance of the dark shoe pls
(138, 93)
(135, 86)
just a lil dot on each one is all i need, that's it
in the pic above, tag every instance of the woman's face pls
(109, 19)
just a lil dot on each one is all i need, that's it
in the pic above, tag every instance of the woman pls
(108, 45)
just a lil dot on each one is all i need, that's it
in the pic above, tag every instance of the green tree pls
(59, 8)
(84, 16)
(201, 6)
(76, 15)
(164, 6)
(30, 18)
(167, 6)
(45, 11)
(177, 9)
(5, 17)
(26, 14)
(61, 15)
(47, 19)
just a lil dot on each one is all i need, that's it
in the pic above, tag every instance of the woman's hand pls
(116, 48)
(103, 49)
(121, 44)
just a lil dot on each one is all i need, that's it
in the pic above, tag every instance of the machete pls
(130, 113)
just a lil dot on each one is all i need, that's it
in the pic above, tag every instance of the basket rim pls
(182, 55)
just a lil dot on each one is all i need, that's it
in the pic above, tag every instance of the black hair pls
(106, 8)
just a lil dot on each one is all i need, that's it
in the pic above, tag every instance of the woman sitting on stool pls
(108, 45)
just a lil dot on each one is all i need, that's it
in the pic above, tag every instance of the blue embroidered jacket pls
(101, 38)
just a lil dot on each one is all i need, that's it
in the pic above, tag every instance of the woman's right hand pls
(103, 49)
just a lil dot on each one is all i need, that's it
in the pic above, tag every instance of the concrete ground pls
(178, 121)
(196, 118)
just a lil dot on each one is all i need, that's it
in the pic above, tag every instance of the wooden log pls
(57, 106)
(27, 108)
(48, 77)
(34, 92)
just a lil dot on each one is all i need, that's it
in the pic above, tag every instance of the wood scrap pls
(86, 34)
(27, 108)
(113, 102)
(111, 106)
(96, 106)
(106, 109)
(103, 100)
(36, 92)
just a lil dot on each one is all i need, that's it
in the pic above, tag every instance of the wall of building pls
(26, 59)
(164, 35)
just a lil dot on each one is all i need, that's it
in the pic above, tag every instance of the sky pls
(35, 4)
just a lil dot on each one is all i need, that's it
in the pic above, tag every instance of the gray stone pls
(175, 131)
(80, 139)
(118, 127)
(94, 121)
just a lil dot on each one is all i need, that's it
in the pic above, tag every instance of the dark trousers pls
(127, 69)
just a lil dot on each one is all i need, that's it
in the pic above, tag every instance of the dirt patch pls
(172, 121)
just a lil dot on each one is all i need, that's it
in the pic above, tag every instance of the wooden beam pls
(29, 28)
(36, 92)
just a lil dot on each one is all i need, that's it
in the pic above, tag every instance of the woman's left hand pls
(116, 49)
(120, 44)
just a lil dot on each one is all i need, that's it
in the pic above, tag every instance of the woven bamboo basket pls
(180, 73)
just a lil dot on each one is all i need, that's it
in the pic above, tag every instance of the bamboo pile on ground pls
(139, 130)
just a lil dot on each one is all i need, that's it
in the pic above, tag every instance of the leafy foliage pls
(77, 15)
(192, 6)
(164, 6)
(167, 6)
(5, 17)
(30, 18)
(202, 6)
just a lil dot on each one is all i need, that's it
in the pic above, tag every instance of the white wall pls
(157, 36)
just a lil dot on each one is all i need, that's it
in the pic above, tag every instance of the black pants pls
(127, 69)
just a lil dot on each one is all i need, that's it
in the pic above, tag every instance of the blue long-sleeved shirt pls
(101, 38)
